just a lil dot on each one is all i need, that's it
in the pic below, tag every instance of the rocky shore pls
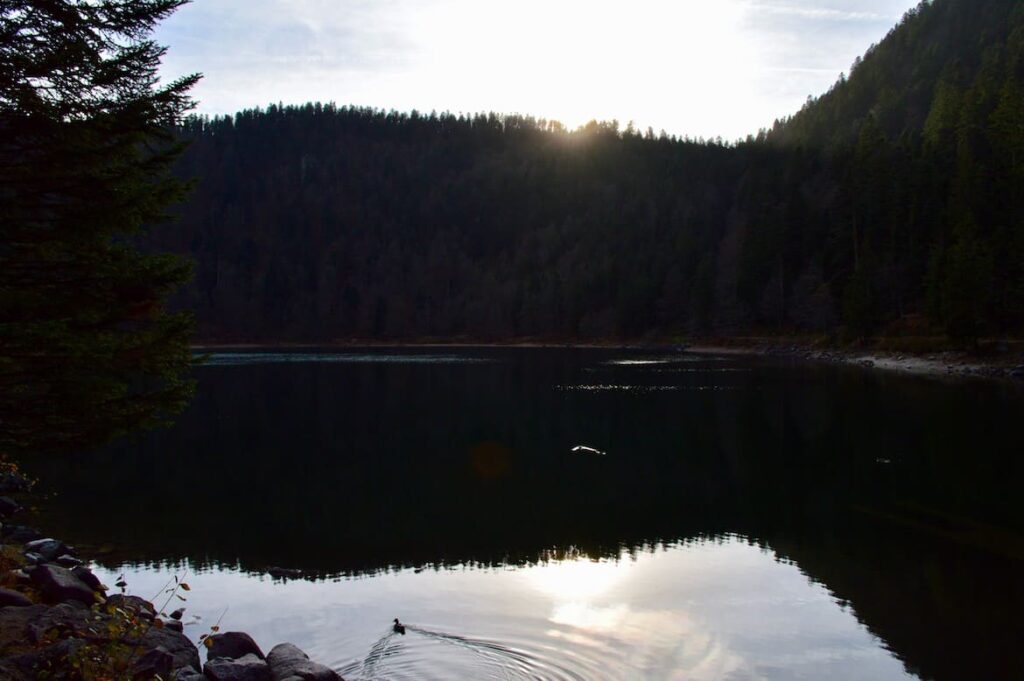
(1005, 365)
(951, 364)
(58, 621)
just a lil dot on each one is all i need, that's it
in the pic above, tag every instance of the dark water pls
(750, 519)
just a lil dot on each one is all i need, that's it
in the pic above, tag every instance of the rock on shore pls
(233, 644)
(288, 663)
(54, 612)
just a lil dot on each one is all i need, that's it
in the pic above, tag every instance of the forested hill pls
(894, 203)
(951, 43)
(317, 223)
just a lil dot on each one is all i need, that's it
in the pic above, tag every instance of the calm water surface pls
(750, 519)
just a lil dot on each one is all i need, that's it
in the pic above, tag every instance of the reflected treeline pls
(947, 609)
(898, 494)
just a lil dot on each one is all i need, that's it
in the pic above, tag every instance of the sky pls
(696, 68)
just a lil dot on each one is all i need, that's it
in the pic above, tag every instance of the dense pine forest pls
(891, 205)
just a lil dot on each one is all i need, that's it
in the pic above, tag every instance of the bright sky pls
(690, 67)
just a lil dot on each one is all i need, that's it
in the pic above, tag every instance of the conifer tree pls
(88, 349)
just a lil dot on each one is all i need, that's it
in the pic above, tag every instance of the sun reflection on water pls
(589, 609)
(574, 580)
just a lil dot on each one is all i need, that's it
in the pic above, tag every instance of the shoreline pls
(1005, 362)
(947, 364)
(57, 618)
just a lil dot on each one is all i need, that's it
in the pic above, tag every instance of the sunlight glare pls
(575, 580)
(651, 62)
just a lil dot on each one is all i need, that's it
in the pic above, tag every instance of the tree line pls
(888, 205)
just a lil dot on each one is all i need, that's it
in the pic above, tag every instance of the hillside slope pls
(896, 81)
(890, 204)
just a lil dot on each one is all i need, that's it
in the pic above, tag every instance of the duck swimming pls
(399, 627)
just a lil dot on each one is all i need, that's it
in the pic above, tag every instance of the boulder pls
(152, 664)
(288, 663)
(63, 621)
(68, 561)
(174, 625)
(19, 534)
(59, 584)
(8, 506)
(133, 604)
(24, 630)
(47, 548)
(176, 643)
(14, 623)
(39, 663)
(233, 645)
(187, 674)
(88, 578)
(247, 668)
(34, 558)
(15, 599)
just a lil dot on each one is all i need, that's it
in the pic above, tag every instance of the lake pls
(741, 517)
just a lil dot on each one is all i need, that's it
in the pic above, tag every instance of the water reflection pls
(899, 496)
(704, 610)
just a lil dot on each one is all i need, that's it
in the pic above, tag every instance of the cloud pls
(819, 12)
(691, 67)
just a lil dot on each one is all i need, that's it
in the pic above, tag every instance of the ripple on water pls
(427, 654)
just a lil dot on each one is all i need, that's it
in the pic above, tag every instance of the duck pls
(399, 627)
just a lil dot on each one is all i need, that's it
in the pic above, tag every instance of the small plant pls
(113, 639)
(172, 593)
(112, 644)
(207, 639)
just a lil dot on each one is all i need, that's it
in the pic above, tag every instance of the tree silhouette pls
(87, 349)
